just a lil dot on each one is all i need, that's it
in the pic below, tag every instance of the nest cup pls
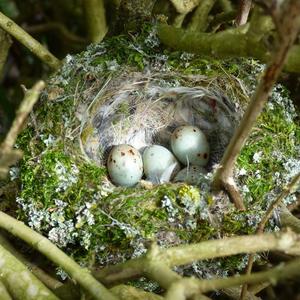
(143, 109)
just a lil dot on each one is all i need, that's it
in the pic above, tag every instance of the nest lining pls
(143, 109)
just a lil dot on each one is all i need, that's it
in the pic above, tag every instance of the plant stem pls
(43, 245)
(20, 282)
(95, 19)
(29, 42)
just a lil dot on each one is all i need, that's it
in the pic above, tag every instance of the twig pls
(19, 281)
(191, 286)
(199, 20)
(49, 281)
(43, 245)
(185, 254)
(261, 226)
(290, 26)
(29, 42)
(95, 19)
(8, 155)
(243, 12)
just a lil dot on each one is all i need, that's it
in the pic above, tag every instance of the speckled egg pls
(190, 175)
(160, 164)
(125, 165)
(190, 145)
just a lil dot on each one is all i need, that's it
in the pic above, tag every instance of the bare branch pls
(243, 12)
(290, 26)
(29, 42)
(17, 279)
(43, 245)
(8, 155)
(191, 286)
(261, 226)
(185, 254)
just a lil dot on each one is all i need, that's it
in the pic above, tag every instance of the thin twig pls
(290, 25)
(191, 286)
(43, 245)
(261, 226)
(8, 155)
(29, 42)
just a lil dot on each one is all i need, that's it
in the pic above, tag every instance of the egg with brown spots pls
(190, 146)
(125, 165)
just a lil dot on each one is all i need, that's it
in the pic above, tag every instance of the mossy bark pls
(225, 44)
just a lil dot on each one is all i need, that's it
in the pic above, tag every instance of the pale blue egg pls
(190, 146)
(125, 165)
(159, 164)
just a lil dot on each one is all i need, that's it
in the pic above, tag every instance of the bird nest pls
(142, 109)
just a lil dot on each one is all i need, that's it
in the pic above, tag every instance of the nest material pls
(144, 109)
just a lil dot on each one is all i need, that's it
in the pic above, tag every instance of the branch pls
(224, 44)
(5, 43)
(261, 226)
(95, 19)
(20, 282)
(199, 20)
(8, 155)
(43, 245)
(126, 292)
(290, 27)
(191, 286)
(184, 7)
(243, 12)
(185, 254)
(49, 281)
(29, 42)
